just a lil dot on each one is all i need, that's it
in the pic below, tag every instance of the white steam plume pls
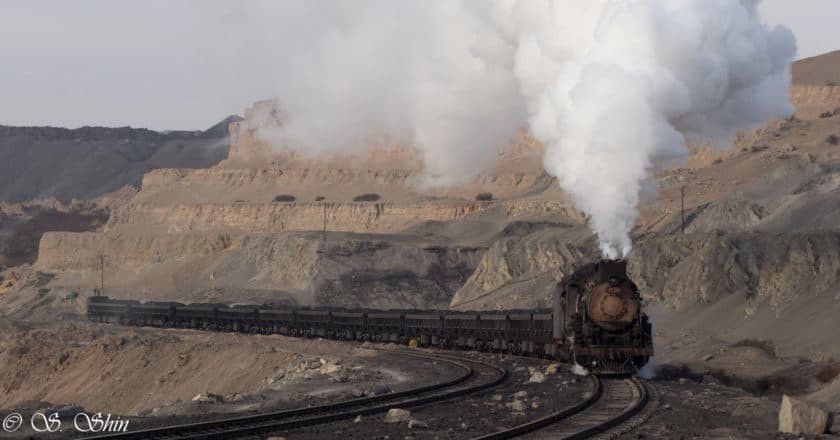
(437, 75)
(636, 80)
(607, 85)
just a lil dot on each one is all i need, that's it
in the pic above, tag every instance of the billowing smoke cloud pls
(437, 75)
(619, 83)
(608, 86)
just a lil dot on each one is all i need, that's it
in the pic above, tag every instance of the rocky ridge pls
(87, 162)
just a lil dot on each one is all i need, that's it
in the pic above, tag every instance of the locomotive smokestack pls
(611, 271)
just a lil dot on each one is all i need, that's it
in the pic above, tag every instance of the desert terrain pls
(744, 302)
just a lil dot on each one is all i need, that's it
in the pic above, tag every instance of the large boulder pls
(800, 417)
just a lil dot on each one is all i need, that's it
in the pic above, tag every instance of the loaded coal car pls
(312, 322)
(425, 328)
(114, 311)
(493, 332)
(277, 320)
(461, 329)
(385, 326)
(598, 318)
(239, 318)
(348, 325)
(200, 316)
(156, 313)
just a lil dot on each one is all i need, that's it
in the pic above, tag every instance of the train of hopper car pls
(596, 320)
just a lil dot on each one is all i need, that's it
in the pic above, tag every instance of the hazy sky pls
(187, 64)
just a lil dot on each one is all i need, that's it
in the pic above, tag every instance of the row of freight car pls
(514, 331)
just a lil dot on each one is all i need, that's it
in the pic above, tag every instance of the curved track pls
(476, 376)
(619, 400)
(611, 403)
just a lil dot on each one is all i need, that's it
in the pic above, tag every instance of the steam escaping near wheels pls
(579, 370)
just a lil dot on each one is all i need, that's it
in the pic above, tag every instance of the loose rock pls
(208, 398)
(517, 405)
(537, 377)
(417, 424)
(397, 415)
(800, 417)
(379, 390)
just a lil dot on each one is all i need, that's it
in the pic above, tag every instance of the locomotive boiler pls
(598, 316)
(596, 320)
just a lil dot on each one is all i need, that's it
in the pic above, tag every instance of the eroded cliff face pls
(81, 252)
(253, 227)
(277, 217)
(367, 217)
(163, 179)
(400, 185)
(246, 147)
(293, 267)
(812, 100)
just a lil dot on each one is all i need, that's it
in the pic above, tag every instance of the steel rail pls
(611, 403)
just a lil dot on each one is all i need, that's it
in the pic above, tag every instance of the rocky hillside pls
(87, 162)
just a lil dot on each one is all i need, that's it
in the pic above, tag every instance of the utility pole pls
(682, 209)
(325, 222)
(101, 273)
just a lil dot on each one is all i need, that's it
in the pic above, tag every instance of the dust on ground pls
(145, 372)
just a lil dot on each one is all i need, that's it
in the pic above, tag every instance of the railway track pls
(476, 376)
(612, 405)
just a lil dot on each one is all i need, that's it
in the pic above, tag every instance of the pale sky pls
(815, 23)
(165, 64)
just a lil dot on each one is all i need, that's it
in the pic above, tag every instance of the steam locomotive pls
(596, 321)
